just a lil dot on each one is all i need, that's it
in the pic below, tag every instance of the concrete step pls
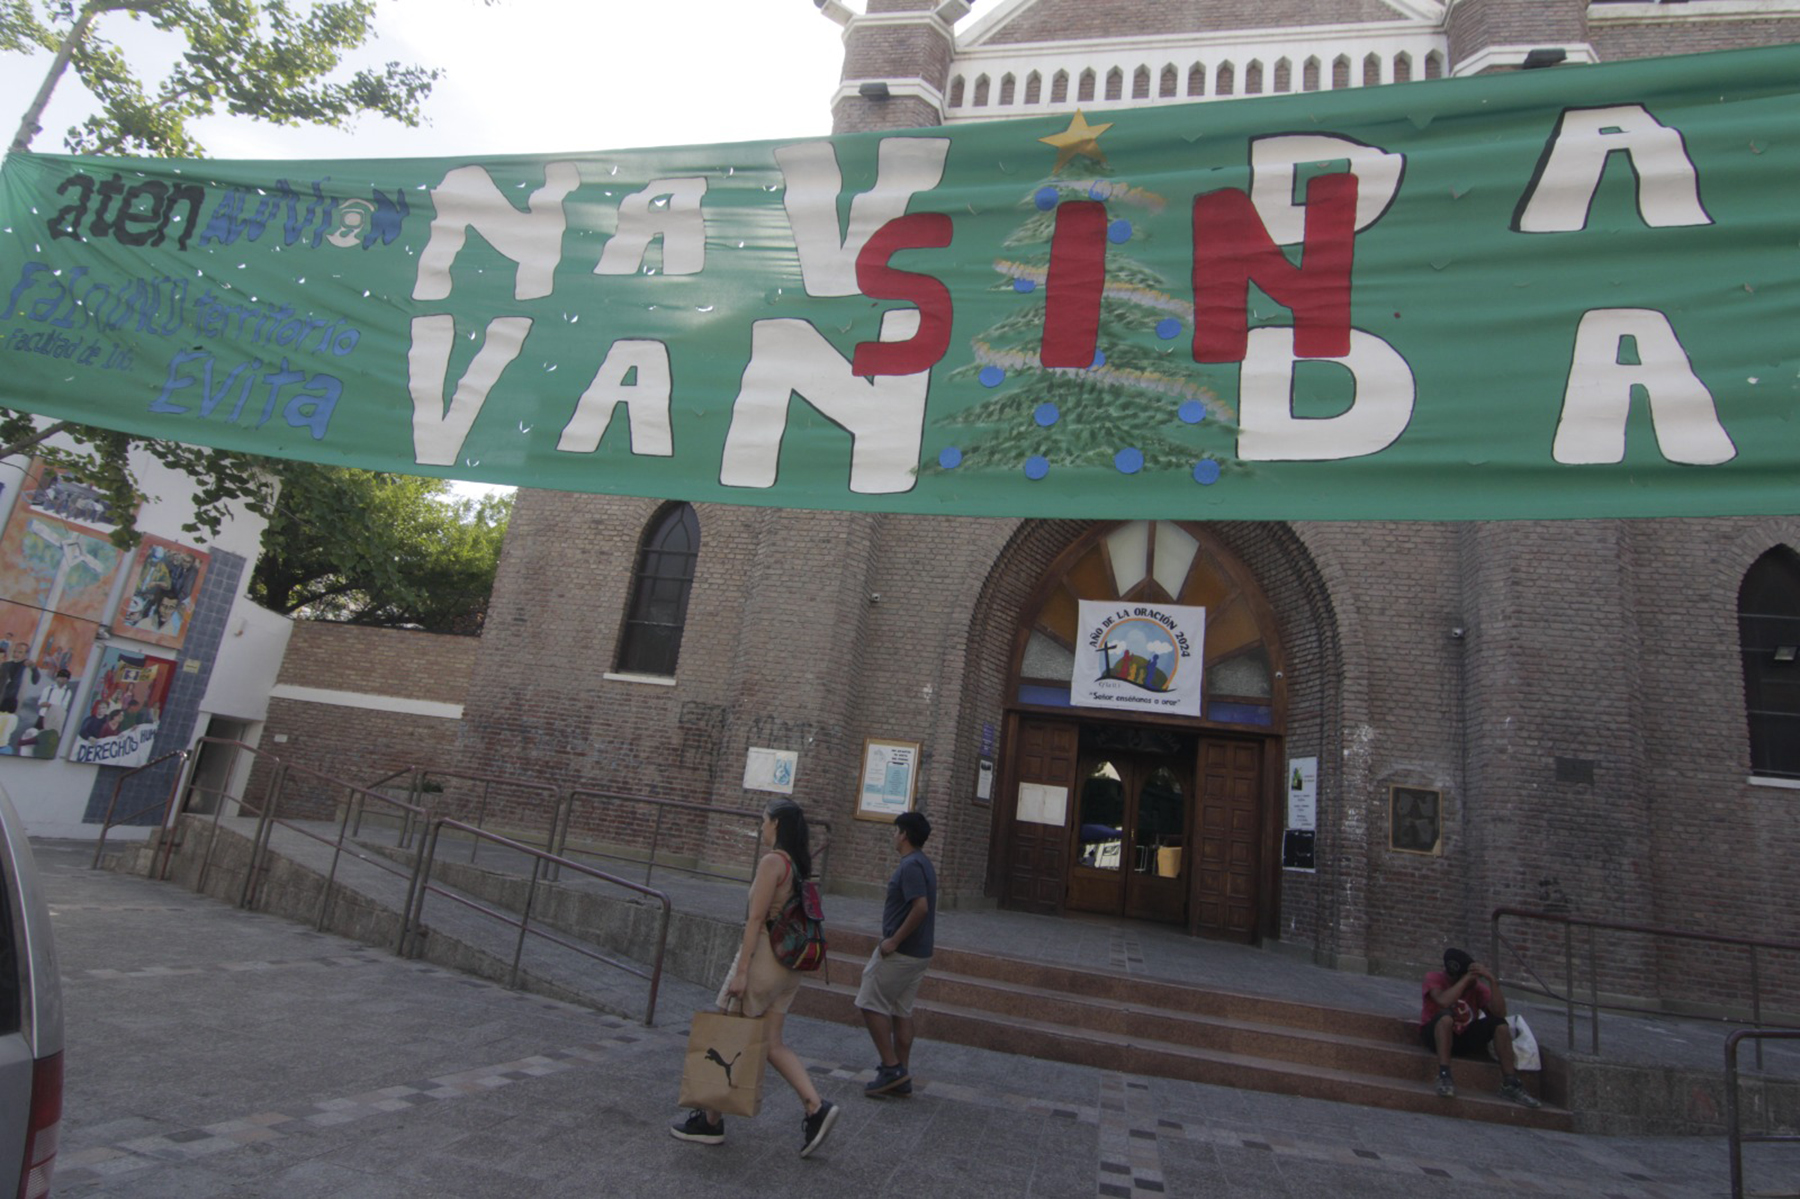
(1291, 1049)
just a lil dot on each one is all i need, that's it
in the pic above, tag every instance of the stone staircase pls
(1144, 1026)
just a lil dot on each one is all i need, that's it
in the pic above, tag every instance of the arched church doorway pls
(1171, 818)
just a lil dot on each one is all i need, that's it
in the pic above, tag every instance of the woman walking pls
(763, 985)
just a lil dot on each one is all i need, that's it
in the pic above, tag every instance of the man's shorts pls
(1470, 1042)
(890, 984)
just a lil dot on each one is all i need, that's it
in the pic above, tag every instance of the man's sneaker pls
(887, 1080)
(1446, 1087)
(696, 1128)
(901, 1090)
(815, 1128)
(1515, 1091)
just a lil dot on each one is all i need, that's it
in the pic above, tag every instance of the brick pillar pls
(1558, 813)
(1476, 25)
(906, 45)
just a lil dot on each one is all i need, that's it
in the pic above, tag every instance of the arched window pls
(1085, 91)
(1402, 67)
(1284, 75)
(1171, 81)
(1434, 65)
(1340, 72)
(1769, 641)
(1225, 80)
(981, 91)
(1372, 70)
(1197, 79)
(651, 639)
(1309, 77)
(1115, 84)
(1034, 87)
(1006, 89)
(1059, 87)
(956, 92)
(1253, 78)
(1140, 84)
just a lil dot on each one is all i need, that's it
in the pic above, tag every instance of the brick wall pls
(359, 742)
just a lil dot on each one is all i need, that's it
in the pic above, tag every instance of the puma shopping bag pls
(724, 1067)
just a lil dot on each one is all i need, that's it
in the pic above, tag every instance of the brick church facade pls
(1587, 717)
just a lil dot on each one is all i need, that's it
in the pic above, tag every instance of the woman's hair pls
(791, 836)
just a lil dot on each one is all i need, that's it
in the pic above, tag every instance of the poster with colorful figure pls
(119, 725)
(55, 564)
(43, 659)
(158, 605)
(1139, 655)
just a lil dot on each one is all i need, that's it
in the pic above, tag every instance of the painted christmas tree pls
(1140, 404)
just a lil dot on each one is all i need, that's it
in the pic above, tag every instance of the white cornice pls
(860, 21)
(1691, 10)
(1412, 15)
(373, 703)
(1164, 45)
(1488, 57)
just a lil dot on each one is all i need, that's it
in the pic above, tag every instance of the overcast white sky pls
(533, 76)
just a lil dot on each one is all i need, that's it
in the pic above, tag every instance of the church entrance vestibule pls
(1168, 819)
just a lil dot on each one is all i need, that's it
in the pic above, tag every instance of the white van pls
(31, 1019)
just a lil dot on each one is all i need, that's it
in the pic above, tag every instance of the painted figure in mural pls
(890, 981)
(1464, 1011)
(54, 707)
(762, 984)
(161, 614)
(20, 683)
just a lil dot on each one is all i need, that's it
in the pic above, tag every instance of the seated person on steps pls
(1463, 1012)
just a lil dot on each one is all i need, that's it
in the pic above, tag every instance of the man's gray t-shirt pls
(913, 877)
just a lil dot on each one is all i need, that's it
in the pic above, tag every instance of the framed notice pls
(890, 779)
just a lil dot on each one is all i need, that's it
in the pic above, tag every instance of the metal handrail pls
(421, 776)
(268, 816)
(414, 917)
(108, 823)
(560, 845)
(1570, 923)
(1735, 1137)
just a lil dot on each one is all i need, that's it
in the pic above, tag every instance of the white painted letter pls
(646, 401)
(1272, 163)
(1568, 175)
(1270, 432)
(438, 435)
(533, 239)
(678, 221)
(1597, 400)
(904, 165)
(884, 415)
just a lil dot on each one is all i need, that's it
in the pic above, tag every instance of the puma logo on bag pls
(712, 1055)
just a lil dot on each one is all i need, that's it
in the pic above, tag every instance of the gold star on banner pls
(1079, 138)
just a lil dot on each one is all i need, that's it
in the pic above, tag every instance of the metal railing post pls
(412, 912)
(537, 867)
(655, 846)
(262, 829)
(337, 852)
(1756, 1004)
(1569, 979)
(487, 789)
(1594, 990)
(1733, 1134)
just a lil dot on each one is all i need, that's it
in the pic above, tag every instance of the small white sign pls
(1039, 804)
(770, 770)
(984, 780)
(1302, 793)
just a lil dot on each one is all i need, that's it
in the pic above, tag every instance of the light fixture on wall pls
(874, 89)
(1787, 653)
(1544, 57)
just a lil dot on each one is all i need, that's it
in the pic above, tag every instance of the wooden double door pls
(1139, 821)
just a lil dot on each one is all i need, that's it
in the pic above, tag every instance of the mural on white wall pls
(158, 605)
(124, 710)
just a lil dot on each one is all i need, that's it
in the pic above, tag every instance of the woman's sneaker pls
(816, 1127)
(696, 1128)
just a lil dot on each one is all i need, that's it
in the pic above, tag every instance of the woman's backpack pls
(798, 935)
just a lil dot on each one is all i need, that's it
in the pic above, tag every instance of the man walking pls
(891, 979)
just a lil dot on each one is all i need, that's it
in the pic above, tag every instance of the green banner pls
(1558, 293)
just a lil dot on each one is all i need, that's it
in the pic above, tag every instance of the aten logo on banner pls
(1139, 656)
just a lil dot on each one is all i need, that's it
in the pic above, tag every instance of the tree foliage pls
(379, 549)
(270, 60)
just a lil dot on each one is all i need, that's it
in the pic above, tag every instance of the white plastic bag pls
(1525, 1046)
